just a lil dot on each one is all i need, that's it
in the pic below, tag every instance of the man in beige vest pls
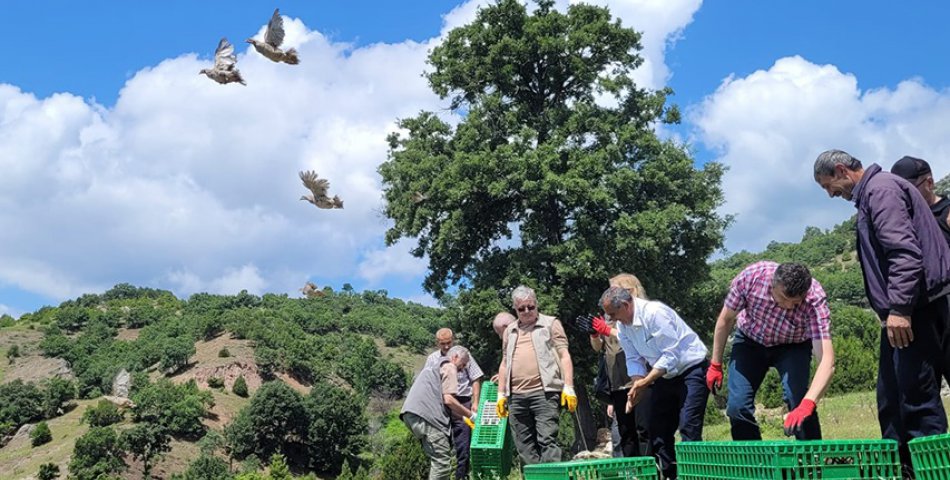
(535, 376)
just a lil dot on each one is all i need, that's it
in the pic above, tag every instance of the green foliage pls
(105, 413)
(40, 435)
(57, 392)
(207, 467)
(6, 321)
(20, 403)
(273, 419)
(278, 469)
(240, 387)
(97, 454)
(146, 442)
(48, 471)
(177, 408)
(589, 188)
(13, 352)
(337, 426)
(404, 460)
(224, 353)
(216, 382)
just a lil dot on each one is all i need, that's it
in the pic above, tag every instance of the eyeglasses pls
(526, 308)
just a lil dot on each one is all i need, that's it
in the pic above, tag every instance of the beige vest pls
(549, 364)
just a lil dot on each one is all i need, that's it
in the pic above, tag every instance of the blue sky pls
(123, 165)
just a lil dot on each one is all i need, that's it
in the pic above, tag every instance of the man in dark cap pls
(917, 171)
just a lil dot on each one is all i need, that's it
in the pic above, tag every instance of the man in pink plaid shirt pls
(783, 318)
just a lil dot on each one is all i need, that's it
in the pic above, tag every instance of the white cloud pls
(769, 127)
(393, 261)
(190, 185)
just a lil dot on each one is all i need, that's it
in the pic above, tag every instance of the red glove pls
(714, 377)
(793, 422)
(600, 326)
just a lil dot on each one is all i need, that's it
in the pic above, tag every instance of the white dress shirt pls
(659, 337)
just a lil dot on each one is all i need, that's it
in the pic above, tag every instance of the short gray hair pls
(459, 351)
(522, 292)
(825, 163)
(616, 297)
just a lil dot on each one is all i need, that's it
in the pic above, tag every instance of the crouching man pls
(425, 410)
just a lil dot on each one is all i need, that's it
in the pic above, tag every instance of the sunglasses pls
(526, 308)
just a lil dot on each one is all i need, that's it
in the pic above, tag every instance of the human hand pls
(470, 420)
(899, 332)
(501, 408)
(569, 398)
(635, 395)
(795, 418)
(610, 410)
(600, 326)
(714, 377)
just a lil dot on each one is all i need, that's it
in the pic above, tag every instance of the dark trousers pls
(634, 426)
(943, 333)
(677, 403)
(908, 380)
(534, 420)
(747, 368)
(461, 439)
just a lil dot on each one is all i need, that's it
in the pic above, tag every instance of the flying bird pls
(225, 65)
(310, 290)
(318, 188)
(419, 197)
(273, 37)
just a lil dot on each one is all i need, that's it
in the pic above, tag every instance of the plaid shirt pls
(762, 320)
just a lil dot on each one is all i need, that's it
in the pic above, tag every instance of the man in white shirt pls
(652, 333)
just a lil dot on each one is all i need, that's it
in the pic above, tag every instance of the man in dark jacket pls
(906, 265)
(917, 172)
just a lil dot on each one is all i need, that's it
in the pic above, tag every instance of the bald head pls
(501, 321)
(444, 339)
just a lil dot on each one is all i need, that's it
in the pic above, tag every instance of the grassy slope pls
(849, 416)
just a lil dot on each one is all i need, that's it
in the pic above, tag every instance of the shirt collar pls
(638, 313)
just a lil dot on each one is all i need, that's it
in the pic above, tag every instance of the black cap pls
(910, 168)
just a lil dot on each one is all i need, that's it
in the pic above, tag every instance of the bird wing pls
(224, 55)
(274, 35)
(316, 185)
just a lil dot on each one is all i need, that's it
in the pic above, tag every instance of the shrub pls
(215, 382)
(240, 387)
(224, 353)
(13, 352)
(40, 434)
(105, 413)
(48, 471)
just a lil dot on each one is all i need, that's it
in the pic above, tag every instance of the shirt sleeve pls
(662, 328)
(474, 371)
(735, 299)
(820, 326)
(450, 381)
(558, 337)
(636, 365)
(898, 239)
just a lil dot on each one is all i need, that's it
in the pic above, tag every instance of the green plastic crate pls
(490, 453)
(630, 468)
(931, 457)
(788, 460)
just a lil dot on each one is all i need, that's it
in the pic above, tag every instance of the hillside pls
(360, 347)
(324, 375)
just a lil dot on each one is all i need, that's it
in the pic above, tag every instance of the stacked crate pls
(788, 460)
(931, 457)
(491, 448)
(630, 468)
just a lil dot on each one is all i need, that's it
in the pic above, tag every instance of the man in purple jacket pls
(906, 265)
